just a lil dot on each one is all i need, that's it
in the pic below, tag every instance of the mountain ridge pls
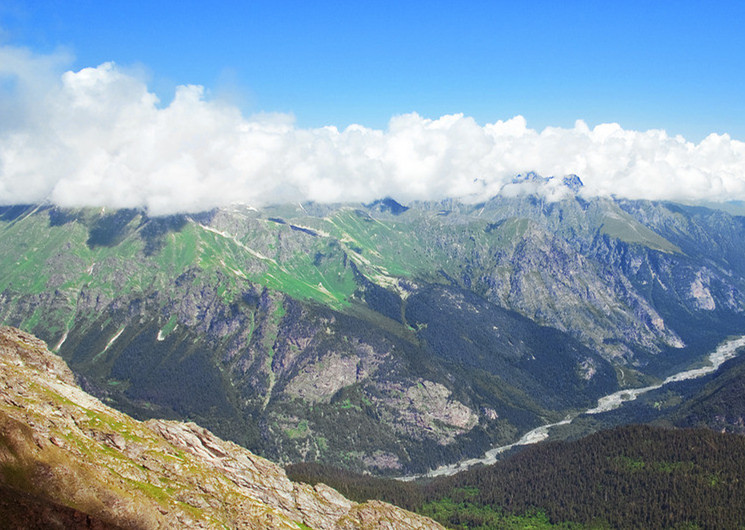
(272, 326)
(66, 452)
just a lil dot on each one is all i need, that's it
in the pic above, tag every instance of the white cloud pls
(99, 137)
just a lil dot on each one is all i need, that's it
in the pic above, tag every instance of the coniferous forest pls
(627, 477)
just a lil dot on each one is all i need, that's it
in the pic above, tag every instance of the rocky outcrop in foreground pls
(68, 460)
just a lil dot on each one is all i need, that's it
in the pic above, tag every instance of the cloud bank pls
(100, 137)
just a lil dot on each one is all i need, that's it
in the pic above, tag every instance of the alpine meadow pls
(417, 266)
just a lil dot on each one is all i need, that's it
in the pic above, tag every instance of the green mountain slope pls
(719, 404)
(434, 331)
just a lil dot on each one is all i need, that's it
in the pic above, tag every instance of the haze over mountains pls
(431, 331)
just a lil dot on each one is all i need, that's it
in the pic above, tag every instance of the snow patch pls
(161, 337)
(113, 339)
(108, 345)
(61, 342)
(315, 230)
(325, 291)
(235, 240)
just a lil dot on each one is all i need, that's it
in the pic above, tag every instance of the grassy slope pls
(314, 259)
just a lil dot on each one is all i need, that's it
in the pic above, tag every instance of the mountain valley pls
(380, 337)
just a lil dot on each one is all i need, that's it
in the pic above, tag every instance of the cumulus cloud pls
(99, 136)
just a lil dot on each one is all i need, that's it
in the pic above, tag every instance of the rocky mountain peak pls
(388, 205)
(573, 182)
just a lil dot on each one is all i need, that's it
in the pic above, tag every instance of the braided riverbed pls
(725, 351)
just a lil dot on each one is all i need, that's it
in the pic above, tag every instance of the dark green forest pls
(628, 477)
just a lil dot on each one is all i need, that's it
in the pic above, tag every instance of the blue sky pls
(678, 66)
(186, 106)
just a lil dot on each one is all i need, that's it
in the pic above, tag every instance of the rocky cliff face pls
(69, 459)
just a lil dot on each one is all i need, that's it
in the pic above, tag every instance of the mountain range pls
(378, 337)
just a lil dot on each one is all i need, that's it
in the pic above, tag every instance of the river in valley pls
(725, 351)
